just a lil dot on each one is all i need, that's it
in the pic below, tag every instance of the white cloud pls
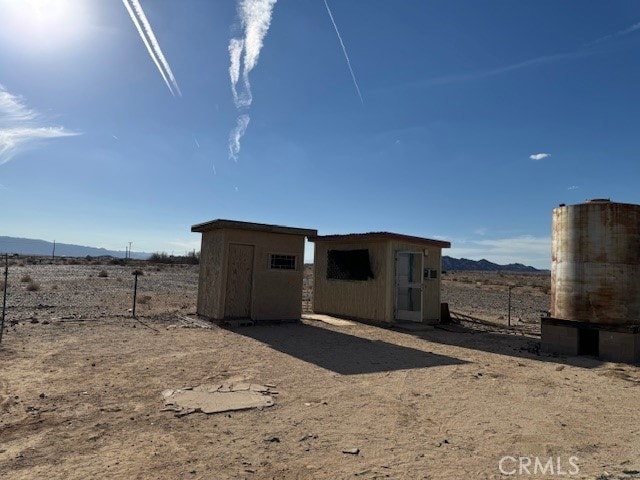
(573, 187)
(539, 156)
(188, 245)
(21, 127)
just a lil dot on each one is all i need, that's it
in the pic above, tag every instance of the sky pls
(462, 120)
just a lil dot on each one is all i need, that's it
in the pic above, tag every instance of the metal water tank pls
(595, 263)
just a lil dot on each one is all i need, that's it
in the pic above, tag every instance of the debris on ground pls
(223, 397)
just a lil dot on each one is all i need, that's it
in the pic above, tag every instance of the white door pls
(409, 269)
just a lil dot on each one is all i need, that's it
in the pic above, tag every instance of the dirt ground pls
(81, 383)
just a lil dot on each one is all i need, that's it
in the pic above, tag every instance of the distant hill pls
(28, 246)
(449, 263)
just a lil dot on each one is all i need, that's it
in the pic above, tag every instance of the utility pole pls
(53, 254)
(130, 249)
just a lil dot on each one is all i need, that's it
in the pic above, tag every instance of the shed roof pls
(257, 227)
(379, 237)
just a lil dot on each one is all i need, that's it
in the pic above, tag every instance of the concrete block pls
(620, 347)
(559, 339)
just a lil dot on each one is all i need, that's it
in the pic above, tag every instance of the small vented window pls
(349, 265)
(282, 262)
(430, 273)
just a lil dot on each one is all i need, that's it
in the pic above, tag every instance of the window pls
(282, 262)
(349, 265)
(430, 273)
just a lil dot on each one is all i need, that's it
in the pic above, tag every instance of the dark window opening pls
(588, 342)
(282, 262)
(349, 265)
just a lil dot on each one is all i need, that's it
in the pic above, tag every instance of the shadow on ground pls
(510, 343)
(341, 352)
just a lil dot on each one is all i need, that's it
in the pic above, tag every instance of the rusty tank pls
(595, 263)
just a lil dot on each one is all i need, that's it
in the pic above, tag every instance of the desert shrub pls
(33, 286)
(144, 299)
(161, 257)
(25, 278)
(103, 273)
(192, 258)
(54, 287)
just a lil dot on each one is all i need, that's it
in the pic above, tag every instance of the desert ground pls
(81, 383)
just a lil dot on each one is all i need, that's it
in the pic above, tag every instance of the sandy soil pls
(81, 383)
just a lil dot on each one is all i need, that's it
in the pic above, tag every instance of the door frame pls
(408, 315)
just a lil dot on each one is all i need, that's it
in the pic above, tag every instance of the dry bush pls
(103, 274)
(144, 299)
(33, 286)
(25, 278)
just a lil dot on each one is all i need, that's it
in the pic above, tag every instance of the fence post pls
(509, 315)
(4, 297)
(135, 273)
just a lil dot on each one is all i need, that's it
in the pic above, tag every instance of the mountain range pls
(28, 246)
(449, 263)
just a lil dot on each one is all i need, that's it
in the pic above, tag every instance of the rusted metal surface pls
(595, 263)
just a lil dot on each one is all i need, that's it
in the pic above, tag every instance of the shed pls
(250, 270)
(378, 277)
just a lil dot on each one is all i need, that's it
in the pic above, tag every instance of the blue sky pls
(460, 120)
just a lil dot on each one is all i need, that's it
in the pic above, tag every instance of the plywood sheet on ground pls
(217, 398)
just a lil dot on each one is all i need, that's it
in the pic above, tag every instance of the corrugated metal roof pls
(379, 237)
(258, 227)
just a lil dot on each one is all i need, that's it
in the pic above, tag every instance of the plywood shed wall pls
(250, 270)
(374, 299)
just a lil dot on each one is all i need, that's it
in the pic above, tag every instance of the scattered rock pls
(272, 439)
(351, 451)
(559, 368)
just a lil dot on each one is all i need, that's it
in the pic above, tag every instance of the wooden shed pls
(250, 270)
(378, 277)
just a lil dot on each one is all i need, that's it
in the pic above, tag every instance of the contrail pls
(153, 47)
(584, 51)
(344, 50)
(235, 136)
(235, 52)
(619, 33)
(255, 17)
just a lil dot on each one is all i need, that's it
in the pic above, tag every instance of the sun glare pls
(43, 25)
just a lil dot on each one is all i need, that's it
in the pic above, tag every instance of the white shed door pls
(409, 269)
